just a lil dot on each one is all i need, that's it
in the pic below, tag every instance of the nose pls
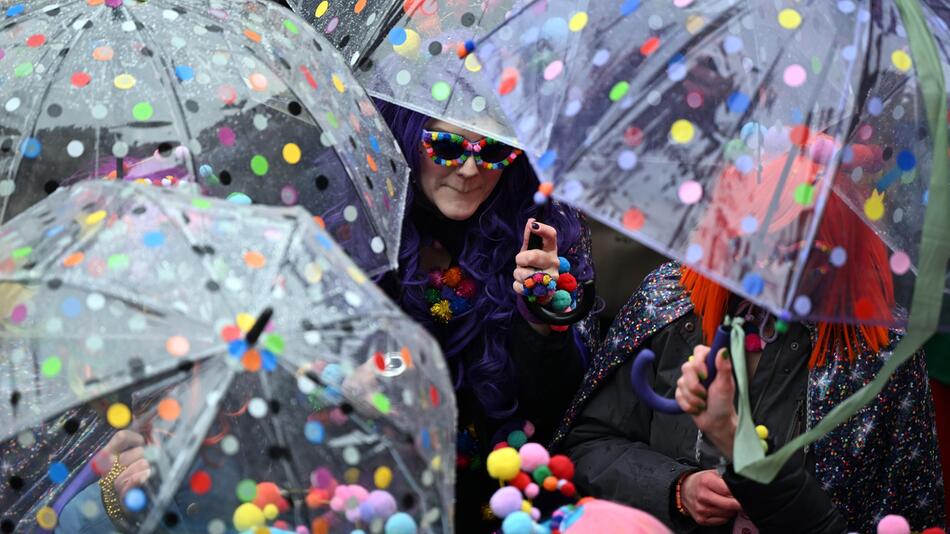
(469, 169)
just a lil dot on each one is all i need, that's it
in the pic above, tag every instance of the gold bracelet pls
(110, 498)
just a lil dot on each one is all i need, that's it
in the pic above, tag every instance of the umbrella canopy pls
(256, 360)
(404, 51)
(242, 97)
(722, 134)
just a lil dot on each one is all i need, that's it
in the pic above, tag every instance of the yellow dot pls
(436, 462)
(95, 217)
(119, 415)
(695, 23)
(901, 60)
(351, 475)
(46, 518)
(245, 322)
(338, 83)
(578, 21)
(383, 477)
(789, 19)
(874, 206)
(321, 8)
(271, 511)
(472, 63)
(356, 274)
(682, 131)
(124, 81)
(291, 153)
(762, 432)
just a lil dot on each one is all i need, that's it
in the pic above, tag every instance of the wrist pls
(723, 435)
(679, 500)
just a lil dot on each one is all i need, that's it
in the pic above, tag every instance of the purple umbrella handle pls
(641, 385)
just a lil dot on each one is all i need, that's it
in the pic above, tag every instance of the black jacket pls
(626, 453)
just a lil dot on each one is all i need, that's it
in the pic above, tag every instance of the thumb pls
(724, 380)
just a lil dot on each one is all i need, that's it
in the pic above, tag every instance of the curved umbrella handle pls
(639, 375)
(583, 307)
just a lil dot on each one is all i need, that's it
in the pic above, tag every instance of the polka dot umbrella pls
(727, 136)
(254, 371)
(243, 98)
(405, 52)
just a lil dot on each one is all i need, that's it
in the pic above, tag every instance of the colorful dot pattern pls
(660, 130)
(208, 94)
(167, 329)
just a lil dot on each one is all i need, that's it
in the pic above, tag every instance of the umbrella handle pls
(583, 307)
(643, 389)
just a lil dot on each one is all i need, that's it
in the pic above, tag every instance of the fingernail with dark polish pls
(535, 226)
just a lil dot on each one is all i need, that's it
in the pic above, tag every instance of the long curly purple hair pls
(492, 238)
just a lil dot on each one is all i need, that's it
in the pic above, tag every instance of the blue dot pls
(31, 147)
(677, 58)
(397, 36)
(324, 241)
(374, 143)
(58, 472)
(547, 159)
(206, 171)
(54, 231)
(744, 163)
(153, 239)
(738, 102)
(906, 160)
(268, 360)
(184, 72)
(314, 432)
(847, 155)
(237, 348)
(239, 198)
(15, 9)
(629, 7)
(71, 307)
(875, 106)
(425, 439)
(135, 500)
(753, 284)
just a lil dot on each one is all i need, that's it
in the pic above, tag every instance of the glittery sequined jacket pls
(883, 461)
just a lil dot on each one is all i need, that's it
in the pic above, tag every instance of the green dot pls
(331, 118)
(274, 343)
(291, 27)
(118, 261)
(381, 402)
(259, 165)
(734, 149)
(201, 203)
(51, 366)
(142, 111)
(246, 490)
(23, 70)
(21, 252)
(618, 90)
(805, 194)
(441, 91)
(816, 65)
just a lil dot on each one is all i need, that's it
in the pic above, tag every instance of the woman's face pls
(456, 191)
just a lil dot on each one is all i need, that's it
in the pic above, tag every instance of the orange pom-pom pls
(546, 188)
(529, 282)
(269, 493)
(316, 498)
(567, 282)
(452, 276)
(550, 483)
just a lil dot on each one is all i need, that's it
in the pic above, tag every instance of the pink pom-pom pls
(336, 504)
(533, 455)
(505, 501)
(528, 429)
(535, 514)
(353, 515)
(435, 278)
(302, 530)
(893, 524)
(359, 492)
(531, 490)
(821, 150)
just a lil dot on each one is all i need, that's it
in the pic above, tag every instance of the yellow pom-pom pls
(383, 477)
(441, 311)
(248, 516)
(526, 507)
(762, 432)
(546, 279)
(504, 464)
(271, 511)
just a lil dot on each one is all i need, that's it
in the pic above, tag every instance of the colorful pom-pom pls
(533, 455)
(521, 480)
(550, 484)
(562, 467)
(893, 524)
(466, 48)
(466, 288)
(505, 501)
(441, 311)
(435, 278)
(432, 296)
(531, 490)
(459, 305)
(541, 474)
(517, 438)
(517, 523)
(248, 516)
(561, 300)
(504, 464)
(564, 266)
(401, 523)
(567, 489)
(567, 282)
(452, 276)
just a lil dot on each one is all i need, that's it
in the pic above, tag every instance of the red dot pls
(80, 79)
(650, 46)
(799, 135)
(380, 361)
(434, 395)
(227, 94)
(35, 40)
(864, 309)
(633, 136)
(200, 482)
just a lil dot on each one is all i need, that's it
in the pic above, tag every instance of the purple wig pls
(486, 248)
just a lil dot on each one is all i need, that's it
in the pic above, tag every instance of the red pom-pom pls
(500, 445)
(520, 481)
(556, 328)
(933, 530)
(568, 489)
(466, 288)
(567, 282)
(562, 467)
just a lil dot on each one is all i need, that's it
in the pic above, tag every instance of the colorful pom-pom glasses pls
(453, 150)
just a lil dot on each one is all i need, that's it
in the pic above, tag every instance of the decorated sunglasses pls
(453, 150)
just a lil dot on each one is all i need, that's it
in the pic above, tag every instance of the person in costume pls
(884, 460)
(463, 260)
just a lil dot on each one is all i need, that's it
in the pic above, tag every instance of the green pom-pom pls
(540, 474)
(517, 438)
(432, 296)
(781, 326)
(561, 300)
